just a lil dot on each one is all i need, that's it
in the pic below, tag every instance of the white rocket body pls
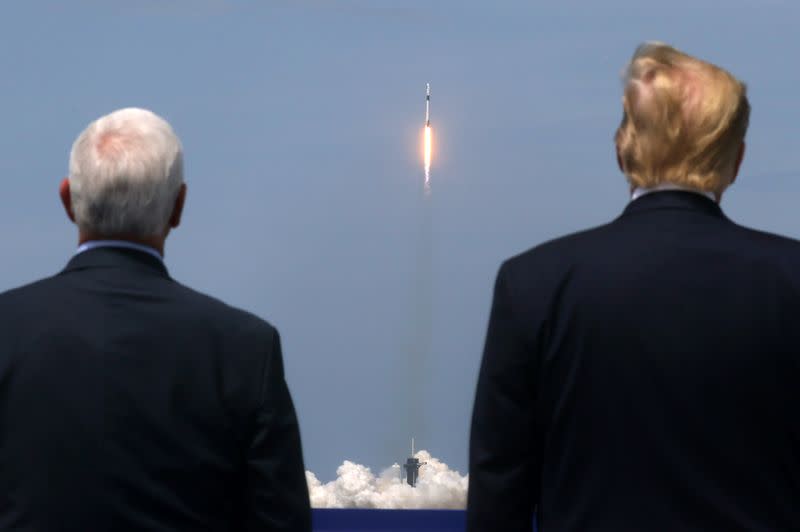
(428, 105)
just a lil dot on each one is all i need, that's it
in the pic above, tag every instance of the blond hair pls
(684, 121)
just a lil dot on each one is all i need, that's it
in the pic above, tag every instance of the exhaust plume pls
(438, 487)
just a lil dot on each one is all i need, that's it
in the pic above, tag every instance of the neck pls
(156, 242)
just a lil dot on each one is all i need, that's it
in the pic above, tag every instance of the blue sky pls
(301, 123)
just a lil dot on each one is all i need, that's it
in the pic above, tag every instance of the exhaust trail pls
(418, 360)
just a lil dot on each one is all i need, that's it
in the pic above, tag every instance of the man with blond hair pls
(129, 402)
(643, 375)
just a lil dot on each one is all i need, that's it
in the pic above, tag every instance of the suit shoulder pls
(771, 241)
(557, 249)
(23, 293)
(775, 251)
(229, 317)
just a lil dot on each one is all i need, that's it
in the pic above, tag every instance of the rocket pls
(426, 146)
(428, 105)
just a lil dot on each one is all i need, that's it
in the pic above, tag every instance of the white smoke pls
(356, 487)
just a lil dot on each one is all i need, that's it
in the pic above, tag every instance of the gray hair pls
(125, 172)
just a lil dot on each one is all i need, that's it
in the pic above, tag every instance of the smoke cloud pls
(438, 487)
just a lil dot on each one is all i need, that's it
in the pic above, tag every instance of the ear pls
(739, 159)
(619, 161)
(177, 210)
(66, 198)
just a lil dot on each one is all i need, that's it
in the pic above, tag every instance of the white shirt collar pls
(92, 244)
(639, 191)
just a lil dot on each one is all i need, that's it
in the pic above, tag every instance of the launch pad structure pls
(411, 467)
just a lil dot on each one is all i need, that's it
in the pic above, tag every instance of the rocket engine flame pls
(427, 149)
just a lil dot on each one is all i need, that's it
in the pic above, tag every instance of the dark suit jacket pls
(130, 402)
(643, 375)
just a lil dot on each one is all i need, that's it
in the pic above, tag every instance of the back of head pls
(684, 121)
(125, 172)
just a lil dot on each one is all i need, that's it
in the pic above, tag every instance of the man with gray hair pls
(643, 375)
(128, 401)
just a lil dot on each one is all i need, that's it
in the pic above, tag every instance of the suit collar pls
(674, 200)
(116, 257)
(91, 244)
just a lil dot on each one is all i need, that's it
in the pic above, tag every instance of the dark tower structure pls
(412, 466)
